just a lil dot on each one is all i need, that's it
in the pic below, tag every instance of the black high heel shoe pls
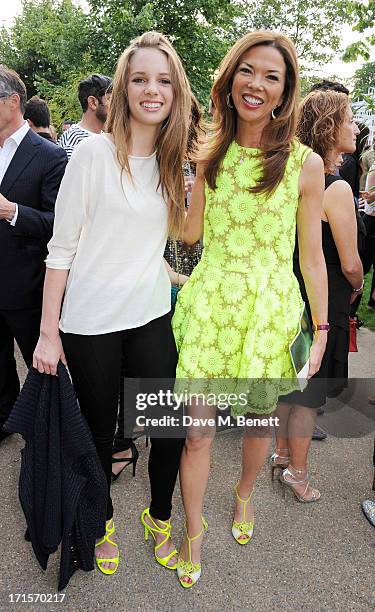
(127, 460)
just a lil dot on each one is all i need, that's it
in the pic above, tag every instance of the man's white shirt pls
(7, 152)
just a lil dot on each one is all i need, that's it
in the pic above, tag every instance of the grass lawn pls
(368, 316)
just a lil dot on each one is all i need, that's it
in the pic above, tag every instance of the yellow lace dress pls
(239, 311)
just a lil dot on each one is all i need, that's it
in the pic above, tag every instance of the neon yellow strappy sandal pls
(154, 528)
(109, 530)
(243, 528)
(188, 568)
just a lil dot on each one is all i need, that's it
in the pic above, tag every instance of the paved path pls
(302, 558)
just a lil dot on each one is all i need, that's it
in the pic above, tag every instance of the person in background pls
(66, 124)
(366, 161)
(369, 220)
(38, 117)
(94, 94)
(53, 133)
(351, 168)
(31, 169)
(325, 125)
(368, 505)
(327, 85)
(351, 173)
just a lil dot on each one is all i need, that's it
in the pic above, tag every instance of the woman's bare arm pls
(49, 349)
(340, 211)
(311, 256)
(193, 229)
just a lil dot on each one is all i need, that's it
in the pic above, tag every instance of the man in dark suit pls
(31, 169)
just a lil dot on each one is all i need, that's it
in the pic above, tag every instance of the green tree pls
(53, 43)
(363, 12)
(47, 39)
(200, 30)
(314, 27)
(364, 78)
(48, 46)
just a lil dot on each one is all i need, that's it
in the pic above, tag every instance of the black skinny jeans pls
(126, 419)
(94, 363)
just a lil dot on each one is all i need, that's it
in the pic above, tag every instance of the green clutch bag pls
(300, 347)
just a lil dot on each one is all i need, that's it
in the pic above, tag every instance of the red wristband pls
(325, 327)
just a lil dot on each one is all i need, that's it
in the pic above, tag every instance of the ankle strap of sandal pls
(155, 527)
(243, 501)
(279, 452)
(294, 475)
(204, 527)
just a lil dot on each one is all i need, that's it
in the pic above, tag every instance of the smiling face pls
(258, 84)
(348, 130)
(149, 90)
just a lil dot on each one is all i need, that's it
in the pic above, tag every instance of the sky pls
(10, 8)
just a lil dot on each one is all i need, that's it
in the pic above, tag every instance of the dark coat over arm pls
(62, 487)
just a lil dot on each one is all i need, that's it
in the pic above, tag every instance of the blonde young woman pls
(122, 193)
(240, 309)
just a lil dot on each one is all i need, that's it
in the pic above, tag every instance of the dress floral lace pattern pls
(240, 309)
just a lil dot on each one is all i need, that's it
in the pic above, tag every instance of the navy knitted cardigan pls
(62, 486)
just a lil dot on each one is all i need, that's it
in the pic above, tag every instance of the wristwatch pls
(325, 327)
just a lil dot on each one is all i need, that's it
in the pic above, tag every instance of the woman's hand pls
(189, 182)
(48, 352)
(316, 352)
(354, 295)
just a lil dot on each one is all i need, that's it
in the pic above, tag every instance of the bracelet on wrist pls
(359, 289)
(321, 327)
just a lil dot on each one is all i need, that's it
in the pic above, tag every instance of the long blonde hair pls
(171, 142)
(277, 135)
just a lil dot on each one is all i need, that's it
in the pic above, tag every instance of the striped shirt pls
(71, 137)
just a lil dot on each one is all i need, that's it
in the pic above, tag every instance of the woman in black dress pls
(326, 125)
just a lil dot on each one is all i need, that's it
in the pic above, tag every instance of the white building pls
(364, 113)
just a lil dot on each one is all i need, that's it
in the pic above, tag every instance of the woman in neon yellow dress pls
(239, 311)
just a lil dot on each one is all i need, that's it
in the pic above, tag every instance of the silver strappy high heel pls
(279, 461)
(288, 479)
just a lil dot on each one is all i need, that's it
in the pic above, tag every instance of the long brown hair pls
(321, 115)
(197, 130)
(277, 135)
(171, 142)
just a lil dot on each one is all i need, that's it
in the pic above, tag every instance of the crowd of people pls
(261, 206)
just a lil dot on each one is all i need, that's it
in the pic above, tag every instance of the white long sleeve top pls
(110, 232)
